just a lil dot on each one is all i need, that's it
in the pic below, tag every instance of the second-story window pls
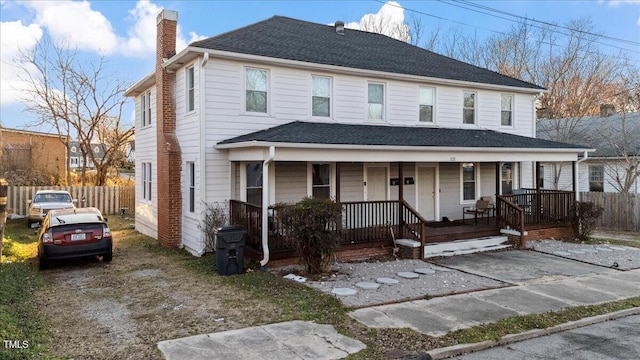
(376, 102)
(426, 104)
(321, 96)
(469, 108)
(507, 110)
(256, 82)
(145, 107)
(191, 96)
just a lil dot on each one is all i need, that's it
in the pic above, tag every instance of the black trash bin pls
(230, 241)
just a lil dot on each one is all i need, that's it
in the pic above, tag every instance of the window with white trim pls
(256, 84)
(425, 106)
(321, 96)
(146, 181)
(375, 109)
(145, 108)
(191, 176)
(191, 94)
(469, 108)
(506, 115)
(254, 183)
(596, 178)
(468, 181)
(321, 181)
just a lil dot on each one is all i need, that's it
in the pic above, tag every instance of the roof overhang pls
(141, 85)
(190, 53)
(259, 151)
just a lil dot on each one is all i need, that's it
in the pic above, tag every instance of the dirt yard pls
(122, 309)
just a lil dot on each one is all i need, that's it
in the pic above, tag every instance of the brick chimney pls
(169, 156)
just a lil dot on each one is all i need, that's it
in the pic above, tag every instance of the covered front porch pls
(392, 183)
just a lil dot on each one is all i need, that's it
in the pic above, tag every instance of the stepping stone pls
(367, 285)
(385, 280)
(590, 251)
(603, 249)
(440, 268)
(408, 275)
(424, 271)
(561, 253)
(577, 252)
(617, 248)
(344, 291)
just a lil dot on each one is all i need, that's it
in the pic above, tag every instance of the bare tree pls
(74, 98)
(622, 139)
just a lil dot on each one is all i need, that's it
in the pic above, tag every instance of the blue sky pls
(124, 31)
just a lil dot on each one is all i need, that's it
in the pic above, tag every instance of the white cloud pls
(14, 38)
(616, 3)
(638, 22)
(76, 24)
(389, 20)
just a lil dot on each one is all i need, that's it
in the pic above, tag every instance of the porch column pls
(400, 198)
(338, 182)
(537, 176)
(574, 176)
(498, 171)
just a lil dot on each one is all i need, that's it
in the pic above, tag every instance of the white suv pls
(46, 200)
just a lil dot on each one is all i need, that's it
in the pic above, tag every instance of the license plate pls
(75, 237)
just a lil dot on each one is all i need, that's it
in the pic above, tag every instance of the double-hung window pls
(321, 96)
(146, 181)
(191, 96)
(468, 181)
(596, 178)
(321, 181)
(376, 102)
(507, 110)
(426, 104)
(254, 183)
(191, 173)
(256, 84)
(145, 108)
(469, 108)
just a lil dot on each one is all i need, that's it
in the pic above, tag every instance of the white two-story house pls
(283, 109)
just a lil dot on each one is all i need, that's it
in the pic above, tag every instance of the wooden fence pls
(621, 211)
(109, 199)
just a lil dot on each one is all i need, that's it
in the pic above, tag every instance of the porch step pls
(461, 247)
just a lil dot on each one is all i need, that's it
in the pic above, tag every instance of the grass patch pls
(19, 281)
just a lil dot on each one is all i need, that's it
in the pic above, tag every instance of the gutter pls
(577, 174)
(265, 207)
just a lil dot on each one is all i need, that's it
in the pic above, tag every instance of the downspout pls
(203, 145)
(265, 207)
(577, 174)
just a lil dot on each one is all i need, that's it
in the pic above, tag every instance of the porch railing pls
(362, 222)
(529, 207)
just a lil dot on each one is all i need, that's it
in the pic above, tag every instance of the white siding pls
(146, 212)
(291, 181)
(351, 182)
(566, 176)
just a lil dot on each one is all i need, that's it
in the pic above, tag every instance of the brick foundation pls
(558, 233)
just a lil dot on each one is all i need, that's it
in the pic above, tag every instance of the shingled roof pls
(299, 132)
(291, 39)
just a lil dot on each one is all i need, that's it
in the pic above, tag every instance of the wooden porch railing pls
(529, 207)
(362, 222)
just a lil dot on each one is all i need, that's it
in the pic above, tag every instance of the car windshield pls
(52, 197)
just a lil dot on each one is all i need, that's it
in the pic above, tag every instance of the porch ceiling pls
(305, 141)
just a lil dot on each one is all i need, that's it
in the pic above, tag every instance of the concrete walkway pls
(438, 316)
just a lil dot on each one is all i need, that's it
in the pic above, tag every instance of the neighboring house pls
(614, 165)
(283, 109)
(77, 160)
(26, 150)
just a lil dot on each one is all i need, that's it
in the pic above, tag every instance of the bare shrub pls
(216, 215)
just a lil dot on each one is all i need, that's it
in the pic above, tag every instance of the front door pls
(376, 183)
(426, 192)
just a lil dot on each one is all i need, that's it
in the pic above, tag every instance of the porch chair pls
(481, 208)
(491, 207)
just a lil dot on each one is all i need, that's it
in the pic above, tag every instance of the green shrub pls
(584, 219)
(311, 226)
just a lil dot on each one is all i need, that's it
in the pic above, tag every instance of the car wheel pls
(42, 264)
(108, 256)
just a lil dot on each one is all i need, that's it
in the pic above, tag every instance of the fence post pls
(4, 186)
